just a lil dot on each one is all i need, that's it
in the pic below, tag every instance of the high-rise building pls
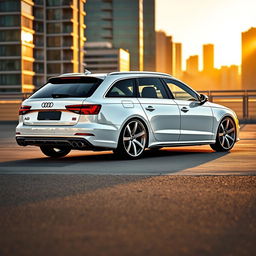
(208, 58)
(122, 23)
(16, 46)
(149, 35)
(164, 53)
(249, 59)
(229, 78)
(59, 38)
(192, 65)
(99, 21)
(39, 39)
(128, 30)
(177, 60)
(102, 57)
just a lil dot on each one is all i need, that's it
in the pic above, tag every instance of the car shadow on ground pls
(89, 172)
(169, 160)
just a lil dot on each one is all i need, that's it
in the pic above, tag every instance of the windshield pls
(81, 87)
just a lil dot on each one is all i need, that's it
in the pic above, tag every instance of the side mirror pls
(203, 98)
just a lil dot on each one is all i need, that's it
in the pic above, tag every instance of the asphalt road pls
(178, 201)
(200, 160)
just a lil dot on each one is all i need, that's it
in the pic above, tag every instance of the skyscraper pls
(39, 39)
(208, 58)
(59, 38)
(192, 65)
(16, 46)
(149, 35)
(249, 59)
(125, 24)
(229, 78)
(128, 29)
(164, 53)
(177, 59)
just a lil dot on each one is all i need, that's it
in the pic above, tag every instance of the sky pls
(198, 22)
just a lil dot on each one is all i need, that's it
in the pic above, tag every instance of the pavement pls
(178, 201)
(200, 160)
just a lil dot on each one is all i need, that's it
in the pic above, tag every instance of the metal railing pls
(243, 102)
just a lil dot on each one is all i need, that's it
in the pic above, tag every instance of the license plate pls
(49, 115)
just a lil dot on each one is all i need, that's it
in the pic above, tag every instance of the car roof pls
(116, 74)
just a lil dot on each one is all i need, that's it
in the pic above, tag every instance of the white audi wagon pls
(126, 112)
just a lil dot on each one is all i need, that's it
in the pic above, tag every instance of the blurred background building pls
(164, 53)
(208, 58)
(249, 59)
(177, 60)
(192, 65)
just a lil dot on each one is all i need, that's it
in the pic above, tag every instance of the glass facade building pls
(149, 35)
(122, 23)
(39, 39)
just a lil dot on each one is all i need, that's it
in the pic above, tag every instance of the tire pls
(55, 152)
(226, 135)
(132, 140)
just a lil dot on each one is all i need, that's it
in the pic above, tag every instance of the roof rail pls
(137, 72)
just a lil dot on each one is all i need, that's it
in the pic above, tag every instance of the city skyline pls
(223, 23)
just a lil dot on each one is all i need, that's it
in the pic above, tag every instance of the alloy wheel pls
(134, 138)
(227, 133)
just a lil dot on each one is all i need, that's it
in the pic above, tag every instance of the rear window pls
(67, 87)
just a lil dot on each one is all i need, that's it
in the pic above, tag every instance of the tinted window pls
(66, 87)
(180, 91)
(151, 88)
(123, 88)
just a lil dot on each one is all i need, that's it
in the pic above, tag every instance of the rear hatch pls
(59, 101)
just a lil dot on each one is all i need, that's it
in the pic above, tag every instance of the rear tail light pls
(24, 110)
(90, 109)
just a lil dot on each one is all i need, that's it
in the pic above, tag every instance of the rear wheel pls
(132, 140)
(226, 135)
(55, 151)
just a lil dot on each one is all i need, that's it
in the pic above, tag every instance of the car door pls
(162, 111)
(196, 118)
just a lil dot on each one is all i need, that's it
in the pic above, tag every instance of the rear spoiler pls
(74, 79)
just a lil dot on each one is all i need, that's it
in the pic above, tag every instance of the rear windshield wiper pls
(61, 95)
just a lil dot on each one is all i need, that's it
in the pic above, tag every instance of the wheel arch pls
(140, 118)
(221, 119)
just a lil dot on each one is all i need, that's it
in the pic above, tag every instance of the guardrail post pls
(245, 105)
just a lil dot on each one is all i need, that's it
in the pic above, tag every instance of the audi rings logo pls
(47, 105)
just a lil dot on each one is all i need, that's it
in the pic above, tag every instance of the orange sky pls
(197, 22)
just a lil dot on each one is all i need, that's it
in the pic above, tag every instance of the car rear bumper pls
(71, 142)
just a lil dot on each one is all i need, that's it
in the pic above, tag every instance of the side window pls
(151, 88)
(123, 88)
(181, 91)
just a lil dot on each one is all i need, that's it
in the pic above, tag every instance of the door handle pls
(184, 109)
(150, 108)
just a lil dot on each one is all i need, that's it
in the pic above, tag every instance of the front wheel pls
(226, 135)
(132, 141)
(55, 151)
